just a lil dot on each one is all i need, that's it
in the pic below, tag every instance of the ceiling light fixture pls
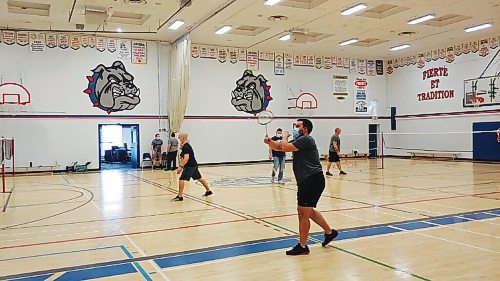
(353, 9)
(119, 29)
(271, 2)
(348, 42)
(285, 37)
(223, 29)
(478, 27)
(400, 47)
(421, 19)
(176, 24)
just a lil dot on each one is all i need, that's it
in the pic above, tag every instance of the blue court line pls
(97, 272)
(259, 246)
(137, 265)
(228, 252)
(59, 253)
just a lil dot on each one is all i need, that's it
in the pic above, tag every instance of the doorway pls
(373, 130)
(118, 146)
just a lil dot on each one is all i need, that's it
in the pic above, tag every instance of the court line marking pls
(136, 264)
(59, 253)
(176, 255)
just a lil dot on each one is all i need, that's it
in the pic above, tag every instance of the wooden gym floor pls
(414, 220)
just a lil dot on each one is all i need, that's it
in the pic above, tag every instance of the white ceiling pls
(322, 17)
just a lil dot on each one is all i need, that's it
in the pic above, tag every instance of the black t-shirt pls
(280, 154)
(306, 160)
(187, 149)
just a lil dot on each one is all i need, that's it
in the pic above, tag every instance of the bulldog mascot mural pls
(251, 94)
(112, 88)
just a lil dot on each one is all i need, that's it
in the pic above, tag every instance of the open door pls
(134, 147)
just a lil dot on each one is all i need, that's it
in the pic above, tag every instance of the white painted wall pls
(234, 140)
(448, 133)
(60, 124)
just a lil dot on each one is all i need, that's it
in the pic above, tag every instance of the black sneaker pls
(342, 173)
(298, 250)
(328, 174)
(208, 193)
(329, 237)
(178, 198)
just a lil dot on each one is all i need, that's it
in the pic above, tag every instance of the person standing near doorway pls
(172, 147)
(156, 150)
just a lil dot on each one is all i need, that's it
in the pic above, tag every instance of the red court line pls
(384, 205)
(224, 222)
(119, 235)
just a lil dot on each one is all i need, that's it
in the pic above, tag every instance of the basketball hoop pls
(476, 101)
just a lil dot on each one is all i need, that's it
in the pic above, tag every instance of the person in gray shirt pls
(334, 153)
(156, 150)
(310, 181)
(172, 148)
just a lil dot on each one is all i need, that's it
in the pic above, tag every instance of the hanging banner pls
(9, 37)
(222, 55)
(379, 65)
(75, 42)
(111, 45)
(296, 60)
(346, 62)
(242, 55)
(370, 68)
(100, 44)
(428, 56)
(466, 48)
(212, 53)
(279, 64)
(494, 42)
(204, 52)
(124, 51)
(233, 56)
(22, 38)
(92, 41)
(288, 60)
(353, 65)
(450, 55)
(85, 41)
(483, 48)
(63, 41)
(37, 42)
(360, 100)
(395, 63)
(390, 68)
(420, 61)
(139, 52)
(319, 62)
(340, 62)
(340, 91)
(252, 60)
(458, 50)
(195, 51)
(51, 40)
(474, 46)
(361, 66)
(327, 62)
(310, 60)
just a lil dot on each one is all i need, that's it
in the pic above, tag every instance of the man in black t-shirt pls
(310, 181)
(278, 158)
(189, 168)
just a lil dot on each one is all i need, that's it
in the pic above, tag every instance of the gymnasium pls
(101, 101)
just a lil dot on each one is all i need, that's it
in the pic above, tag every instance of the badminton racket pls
(265, 117)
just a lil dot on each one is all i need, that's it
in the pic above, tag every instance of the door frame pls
(99, 130)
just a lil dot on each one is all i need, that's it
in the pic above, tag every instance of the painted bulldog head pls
(112, 88)
(251, 94)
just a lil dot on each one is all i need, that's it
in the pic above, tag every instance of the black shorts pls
(333, 156)
(310, 190)
(190, 172)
